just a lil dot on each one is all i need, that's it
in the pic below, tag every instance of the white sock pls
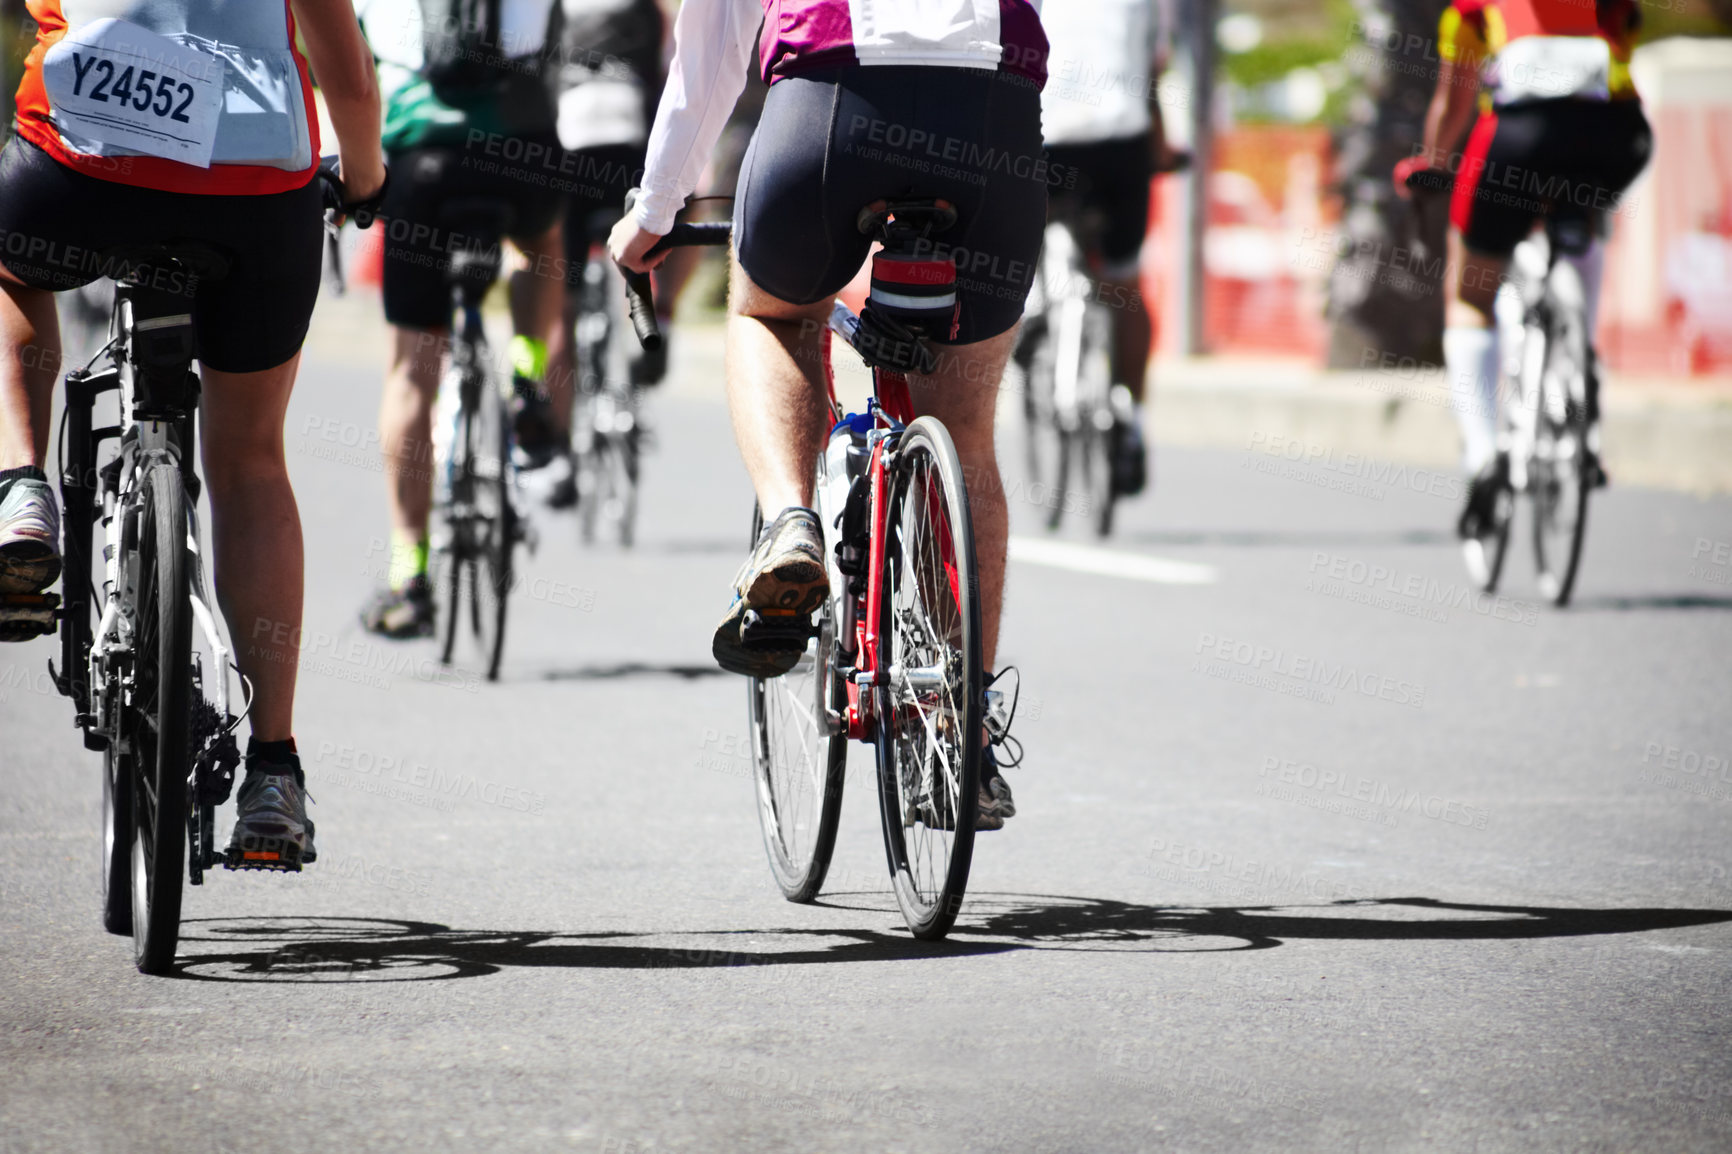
(1470, 355)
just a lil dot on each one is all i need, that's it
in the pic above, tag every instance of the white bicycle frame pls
(1527, 381)
(115, 631)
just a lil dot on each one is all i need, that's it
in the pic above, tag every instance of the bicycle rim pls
(797, 764)
(929, 724)
(159, 721)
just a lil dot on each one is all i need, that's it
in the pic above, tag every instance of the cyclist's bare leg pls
(406, 426)
(29, 364)
(776, 395)
(255, 534)
(1133, 332)
(536, 290)
(964, 395)
(776, 390)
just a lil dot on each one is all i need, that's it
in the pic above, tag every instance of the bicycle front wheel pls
(159, 720)
(799, 758)
(929, 735)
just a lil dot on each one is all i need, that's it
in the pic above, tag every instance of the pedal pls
(776, 630)
(264, 853)
(27, 615)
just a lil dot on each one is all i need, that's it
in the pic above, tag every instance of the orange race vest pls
(202, 98)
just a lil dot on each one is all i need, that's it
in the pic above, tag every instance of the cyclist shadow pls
(324, 950)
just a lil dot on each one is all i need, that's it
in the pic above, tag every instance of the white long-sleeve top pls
(713, 42)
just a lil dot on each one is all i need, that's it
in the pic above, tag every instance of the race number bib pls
(117, 84)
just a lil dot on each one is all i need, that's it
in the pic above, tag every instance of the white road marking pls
(1111, 562)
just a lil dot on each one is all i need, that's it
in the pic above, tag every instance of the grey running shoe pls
(775, 593)
(996, 803)
(271, 827)
(401, 614)
(29, 532)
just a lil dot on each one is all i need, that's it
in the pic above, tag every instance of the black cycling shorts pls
(422, 234)
(56, 224)
(1110, 177)
(1524, 161)
(600, 177)
(830, 144)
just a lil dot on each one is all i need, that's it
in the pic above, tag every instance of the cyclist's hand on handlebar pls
(353, 187)
(1404, 168)
(630, 245)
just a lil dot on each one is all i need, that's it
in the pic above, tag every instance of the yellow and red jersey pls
(1473, 34)
(254, 131)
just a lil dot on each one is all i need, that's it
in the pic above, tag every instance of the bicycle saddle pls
(481, 217)
(913, 217)
(195, 257)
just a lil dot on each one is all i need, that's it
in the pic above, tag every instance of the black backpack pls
(464, 59)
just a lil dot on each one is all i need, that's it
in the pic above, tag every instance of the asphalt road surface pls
(1312, 853)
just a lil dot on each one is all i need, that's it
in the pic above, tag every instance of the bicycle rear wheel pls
(929, 708)
(1484, 554)
(1095, 425)
(496, 531)
(117, 773)
(1557, 482)
(1558, 476)
(798, 761)
(159, 720)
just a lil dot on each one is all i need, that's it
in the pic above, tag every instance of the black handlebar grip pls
(715, 232)
(1430, 180)
(640, 298)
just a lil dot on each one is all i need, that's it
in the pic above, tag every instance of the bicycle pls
(1548, 393)
(476, 510)
(607, 434)
(150, 681)
(892, 658)
(1067, 371)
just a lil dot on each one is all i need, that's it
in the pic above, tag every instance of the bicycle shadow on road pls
(1658, 601)
(341, 949)
(1286, 539)
(624, 669)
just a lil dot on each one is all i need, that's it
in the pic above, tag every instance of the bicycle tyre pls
(160, 718)
(451, 558)
(1484, 554)
(928, 830)
(1560, 509)
(116, 841)
(491, 574)
(1557, 479)
(1064, 454)
(799, 850)
(1095, 424)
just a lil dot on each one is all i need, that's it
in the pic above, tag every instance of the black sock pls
(275, 753)
(23, 473)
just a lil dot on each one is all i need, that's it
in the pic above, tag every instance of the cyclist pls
(869, 100)
(609, 79)
(468, 114)
(81, 178)
(1104, 133)
(1558, 120)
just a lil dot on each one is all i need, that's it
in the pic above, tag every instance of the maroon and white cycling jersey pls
(713, 41)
